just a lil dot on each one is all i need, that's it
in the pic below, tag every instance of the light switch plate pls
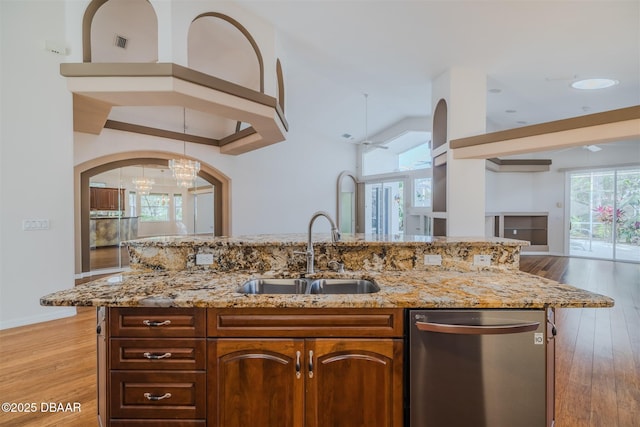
(433, 260)
(204, 259)
(482, 260)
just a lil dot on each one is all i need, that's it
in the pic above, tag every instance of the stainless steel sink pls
(308, 286)
(343, 286)
(274, 286)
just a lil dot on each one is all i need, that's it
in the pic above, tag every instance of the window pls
(397, 178)
(407, 152)
(133, 204)
(422, 192)
(177, 206)
(154, 207)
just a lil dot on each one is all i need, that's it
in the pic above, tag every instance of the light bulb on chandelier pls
(143, 185)
(184, 171)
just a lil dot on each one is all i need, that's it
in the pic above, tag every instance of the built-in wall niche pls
(532, 227)
(439, 124)
(439, 184)
(222, 84)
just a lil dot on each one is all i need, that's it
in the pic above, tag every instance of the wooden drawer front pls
(158, 423)
(157, 322)
(293, 322)
(166, 353)
(170, 394)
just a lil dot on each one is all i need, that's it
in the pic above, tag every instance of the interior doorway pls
(137, 198)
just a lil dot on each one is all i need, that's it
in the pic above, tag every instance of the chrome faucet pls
(335, 237)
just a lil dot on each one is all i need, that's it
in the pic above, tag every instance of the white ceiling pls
(530, 50)
(333, 52)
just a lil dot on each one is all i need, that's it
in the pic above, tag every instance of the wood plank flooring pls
(598, 354)
(597, 350)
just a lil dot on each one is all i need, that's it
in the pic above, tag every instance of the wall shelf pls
(530, 226)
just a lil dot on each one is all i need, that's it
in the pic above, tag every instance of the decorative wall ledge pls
(608, 126)
(100, 86)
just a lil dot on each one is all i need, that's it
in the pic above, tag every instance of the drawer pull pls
(154, 398)
(156, 322)
(156, 356)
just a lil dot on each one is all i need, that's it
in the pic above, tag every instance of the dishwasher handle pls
(445, 328)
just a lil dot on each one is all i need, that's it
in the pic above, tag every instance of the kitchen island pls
(180, 345)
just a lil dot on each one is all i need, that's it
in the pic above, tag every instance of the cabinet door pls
(355, 382)
(255, 383)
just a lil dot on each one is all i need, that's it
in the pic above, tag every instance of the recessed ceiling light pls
(592, 148)
(592, 84)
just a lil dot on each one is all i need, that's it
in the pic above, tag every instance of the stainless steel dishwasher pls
(483, 368)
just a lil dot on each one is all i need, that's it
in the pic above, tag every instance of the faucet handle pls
(339, 266)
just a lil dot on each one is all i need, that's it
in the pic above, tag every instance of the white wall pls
(36, 163)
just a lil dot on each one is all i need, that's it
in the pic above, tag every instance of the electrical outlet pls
(482, 260)
(433, 260)
(35, 224)
(204, 259)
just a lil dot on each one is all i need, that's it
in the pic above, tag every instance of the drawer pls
(158, 394)
(158, 423)
(304, 322)
(157, 322)
(166, 353)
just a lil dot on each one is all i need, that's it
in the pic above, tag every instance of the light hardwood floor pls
(598, 354)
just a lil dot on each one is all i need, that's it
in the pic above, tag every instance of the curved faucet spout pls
(335, 237)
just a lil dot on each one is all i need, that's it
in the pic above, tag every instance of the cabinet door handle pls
(310, 363)
(155, 356)
(156, 322)
(298, 374)
(155, 398)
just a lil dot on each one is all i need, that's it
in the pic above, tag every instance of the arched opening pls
(440, 124)
(439, 183)
(220, 46)
(120, 31)
(112, 208)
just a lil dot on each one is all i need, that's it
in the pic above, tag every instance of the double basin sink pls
(303, 286)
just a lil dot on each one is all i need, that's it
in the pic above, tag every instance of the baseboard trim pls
(53, 313)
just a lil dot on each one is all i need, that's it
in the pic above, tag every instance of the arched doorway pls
(112, 208)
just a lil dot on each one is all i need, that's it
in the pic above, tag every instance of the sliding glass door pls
(384, 204)
(605, 214)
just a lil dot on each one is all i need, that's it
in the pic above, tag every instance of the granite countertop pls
(486, 288)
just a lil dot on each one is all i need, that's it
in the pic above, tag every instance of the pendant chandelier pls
(143, 185)
(184, 171)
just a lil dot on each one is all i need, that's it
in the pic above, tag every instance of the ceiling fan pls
(366, 141)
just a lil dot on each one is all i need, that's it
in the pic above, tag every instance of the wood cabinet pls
(155, 369)
(242, 367)
(107, 199)
(295, 372)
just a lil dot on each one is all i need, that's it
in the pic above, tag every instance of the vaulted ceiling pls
(531, 51)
